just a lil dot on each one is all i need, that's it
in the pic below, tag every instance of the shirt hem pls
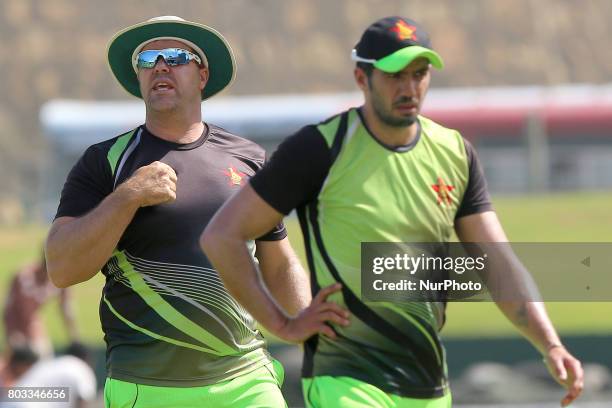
(189, 382)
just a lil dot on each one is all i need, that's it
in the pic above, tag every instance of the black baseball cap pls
(392, 43)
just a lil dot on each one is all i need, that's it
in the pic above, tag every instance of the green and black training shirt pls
(348, 188)
(166, 316)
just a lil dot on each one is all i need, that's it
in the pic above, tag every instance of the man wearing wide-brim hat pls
(133, 207)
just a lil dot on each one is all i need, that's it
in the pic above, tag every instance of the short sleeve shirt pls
(350, 188)
(167, 318)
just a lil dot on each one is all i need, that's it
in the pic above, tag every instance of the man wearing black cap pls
(134, 207)
(377, 173)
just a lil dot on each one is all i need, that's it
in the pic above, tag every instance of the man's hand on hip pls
(314, 319)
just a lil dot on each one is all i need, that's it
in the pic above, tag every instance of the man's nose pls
(160, 65)
(409, 86)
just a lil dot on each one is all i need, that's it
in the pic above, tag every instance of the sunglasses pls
(172, 57)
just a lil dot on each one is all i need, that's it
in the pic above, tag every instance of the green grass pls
(577, 217)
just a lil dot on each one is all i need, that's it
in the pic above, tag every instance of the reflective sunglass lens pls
(172, 57)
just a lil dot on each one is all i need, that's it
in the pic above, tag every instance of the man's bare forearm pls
(533, 322)
(284, 275)
(77, 248)
(517, 295)
(291, 289)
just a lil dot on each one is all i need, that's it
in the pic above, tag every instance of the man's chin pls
(400, 121)
(161, 105)
(395, 118)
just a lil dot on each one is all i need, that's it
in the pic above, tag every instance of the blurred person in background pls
(377, 173)
(18, 360)
(134, 206)
(72, 369)
(29, 291)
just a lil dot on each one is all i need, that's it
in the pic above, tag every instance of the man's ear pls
(204, 74)
(361, 78)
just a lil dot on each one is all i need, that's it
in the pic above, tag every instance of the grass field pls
(577, 217)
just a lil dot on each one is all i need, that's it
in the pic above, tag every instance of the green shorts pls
(257, 389)
(347, 392)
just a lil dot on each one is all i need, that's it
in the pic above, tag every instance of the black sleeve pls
(295, 173)
(476, 198)
(279, 232)
(88, 183)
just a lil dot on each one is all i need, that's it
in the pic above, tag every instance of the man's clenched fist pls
(151, 185)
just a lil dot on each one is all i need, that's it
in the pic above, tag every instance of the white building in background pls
(528, 138)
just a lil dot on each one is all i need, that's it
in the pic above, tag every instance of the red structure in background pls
(594, 120)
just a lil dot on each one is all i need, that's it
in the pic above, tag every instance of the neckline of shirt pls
(397, 149)
(179, 146)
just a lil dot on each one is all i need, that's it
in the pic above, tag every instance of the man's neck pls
(394, 136)
(173, 129)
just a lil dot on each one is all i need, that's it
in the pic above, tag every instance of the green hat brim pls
(401, 58)
(221, 64)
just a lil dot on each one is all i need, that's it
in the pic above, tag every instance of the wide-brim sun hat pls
(208, 43)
